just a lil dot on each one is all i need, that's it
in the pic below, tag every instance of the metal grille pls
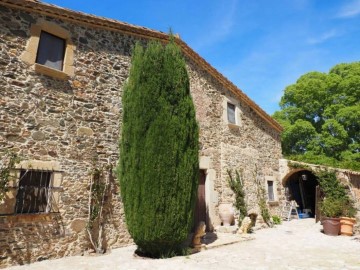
(35, 192)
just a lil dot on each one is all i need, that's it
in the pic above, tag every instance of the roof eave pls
(113, 25)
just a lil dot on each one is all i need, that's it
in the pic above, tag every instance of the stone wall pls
(251, 146)
(21, 235)
(76, 123)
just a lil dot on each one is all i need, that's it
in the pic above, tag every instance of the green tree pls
(299, 136)
(158, 167)
(320, 114)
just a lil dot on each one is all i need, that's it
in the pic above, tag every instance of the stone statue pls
(253, 217)
(245, 225)
(248, 222)
(200, 232)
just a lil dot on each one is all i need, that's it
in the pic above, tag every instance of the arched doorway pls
(300, 185)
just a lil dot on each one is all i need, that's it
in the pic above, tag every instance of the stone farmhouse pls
(62, 74)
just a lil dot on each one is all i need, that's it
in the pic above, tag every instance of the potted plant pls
(336, 204)
(332, 209)
(347, 219)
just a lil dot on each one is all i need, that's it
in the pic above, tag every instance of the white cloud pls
(323, 37)
(220, 27)
(349, 10)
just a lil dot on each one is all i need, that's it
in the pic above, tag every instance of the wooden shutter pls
(51, 51)
(317, 204)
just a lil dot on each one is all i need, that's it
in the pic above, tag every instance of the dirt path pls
(297, 244)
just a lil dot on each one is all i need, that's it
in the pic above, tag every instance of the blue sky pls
(261, 46)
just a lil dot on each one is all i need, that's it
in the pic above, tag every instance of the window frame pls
(270, 195)
(33, 194)
(30, 54)
(229, 107)
(274, 180)
(43, 55)
(230, 100)
(8, 207)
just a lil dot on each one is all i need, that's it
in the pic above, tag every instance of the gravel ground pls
(297, 244)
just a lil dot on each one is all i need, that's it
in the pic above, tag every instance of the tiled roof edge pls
(114, 25)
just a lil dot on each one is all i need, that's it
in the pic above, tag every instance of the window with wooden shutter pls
(51, 51)
(231, 113)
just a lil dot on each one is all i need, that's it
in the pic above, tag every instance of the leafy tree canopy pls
(320, 114)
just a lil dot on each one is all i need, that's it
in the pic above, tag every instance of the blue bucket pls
(303, 215)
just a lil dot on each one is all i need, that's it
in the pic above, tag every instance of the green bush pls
(276, 219)
(158, 167)
(330, 185)
(331, 207)
(8, 160)
(236, 185)
(336, 201)
(261, 198)
(348, 208)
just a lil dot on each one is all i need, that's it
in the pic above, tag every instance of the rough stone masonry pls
(73, 124)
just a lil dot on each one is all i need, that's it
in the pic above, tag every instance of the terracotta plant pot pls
(347, 225)
(226, 213)
(331, 226)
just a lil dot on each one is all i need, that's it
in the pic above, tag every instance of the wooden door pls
(200, 207)
(317, 204)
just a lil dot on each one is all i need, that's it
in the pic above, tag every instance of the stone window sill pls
(18, 218)
(232, 125)
(58, 74)
(273, 203)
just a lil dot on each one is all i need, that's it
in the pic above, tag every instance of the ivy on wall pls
(237, 186)
(7, 164)
(99, 187)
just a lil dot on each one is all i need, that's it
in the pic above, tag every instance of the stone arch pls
(289, 174)
(300, 186)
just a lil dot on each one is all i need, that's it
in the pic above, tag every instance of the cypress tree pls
(158, 167)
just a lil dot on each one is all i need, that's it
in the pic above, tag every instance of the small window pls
(33, 192)
(51, 51)
(231, 113)
(270, 186)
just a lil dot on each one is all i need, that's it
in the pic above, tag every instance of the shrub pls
(236, 185)
(8, 160)
(336, 201)
(158, 167)
(276, 220)
(348, 209)
(331, 207)
(261, 199)
(330, 185)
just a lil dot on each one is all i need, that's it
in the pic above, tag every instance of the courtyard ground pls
(297, 244)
